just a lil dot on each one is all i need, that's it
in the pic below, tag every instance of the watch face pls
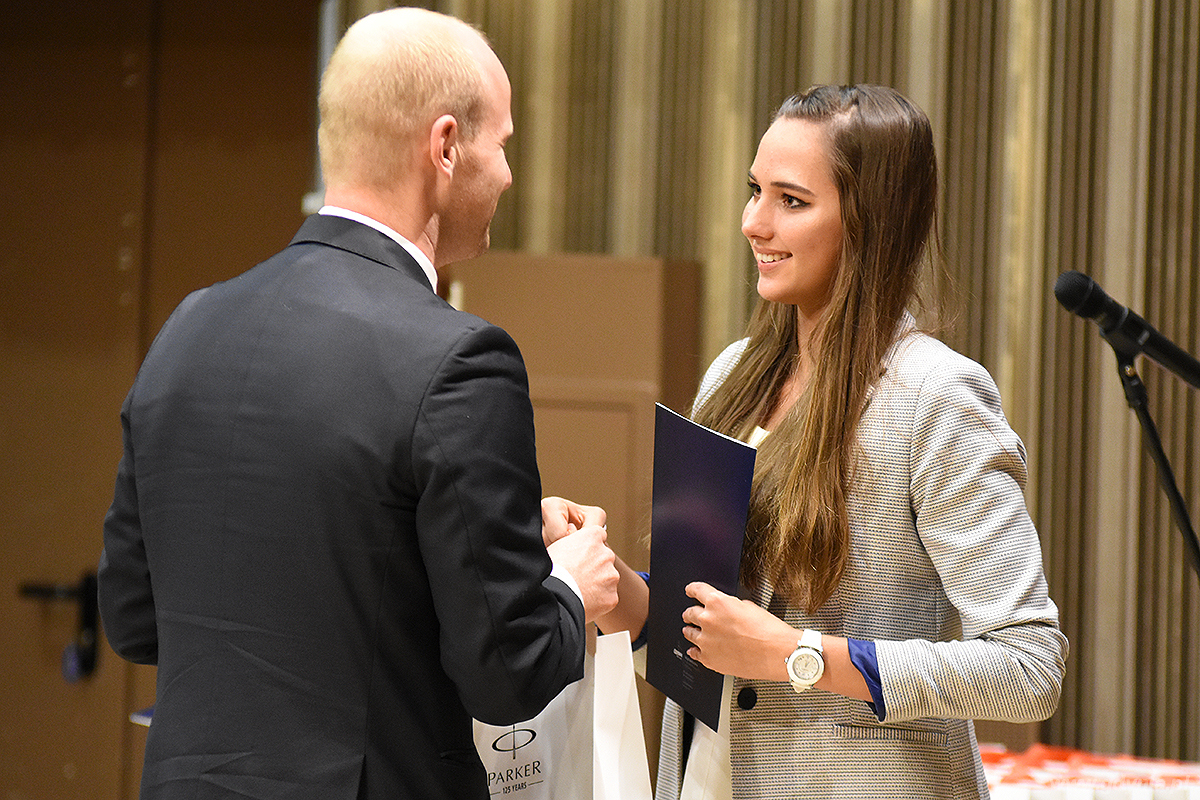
(806, 666)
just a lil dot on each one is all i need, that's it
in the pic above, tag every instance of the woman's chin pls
(770, 291)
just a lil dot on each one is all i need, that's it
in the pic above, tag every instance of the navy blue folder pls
(701, 497)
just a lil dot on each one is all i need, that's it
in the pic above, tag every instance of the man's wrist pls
(560, 572)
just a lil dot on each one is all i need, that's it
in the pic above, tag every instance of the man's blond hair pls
(392, 74)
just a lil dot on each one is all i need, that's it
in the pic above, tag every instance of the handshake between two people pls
(577, 541)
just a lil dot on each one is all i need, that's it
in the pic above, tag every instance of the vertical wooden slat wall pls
(1187, 331)
(877, 35)
(1167, 678)
(507, 26)
(1111, 187)
(970, 173)
(780, 64)
(585, 202)
(679, 166)
(1062, 481)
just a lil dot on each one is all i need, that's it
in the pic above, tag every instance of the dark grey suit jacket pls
(326, 533)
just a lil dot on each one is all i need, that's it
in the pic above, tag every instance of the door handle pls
(79, 657)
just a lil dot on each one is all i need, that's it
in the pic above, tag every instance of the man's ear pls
(444, 145)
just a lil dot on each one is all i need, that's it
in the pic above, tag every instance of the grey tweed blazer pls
(945, 576)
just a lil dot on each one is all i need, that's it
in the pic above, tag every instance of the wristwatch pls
(805, 665)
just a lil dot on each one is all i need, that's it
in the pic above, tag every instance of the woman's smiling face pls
(793, 219)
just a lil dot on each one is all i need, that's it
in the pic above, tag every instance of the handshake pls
(576, 540)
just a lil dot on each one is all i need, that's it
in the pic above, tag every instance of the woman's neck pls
(797, 380)
(793, 386)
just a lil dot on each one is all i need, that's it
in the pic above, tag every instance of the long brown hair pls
(885, 169)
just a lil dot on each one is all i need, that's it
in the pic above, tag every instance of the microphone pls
(1128, 333)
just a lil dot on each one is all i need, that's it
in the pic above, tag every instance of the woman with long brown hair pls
(893, 582)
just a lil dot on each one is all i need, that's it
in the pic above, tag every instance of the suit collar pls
(410, 247)
(361, 240)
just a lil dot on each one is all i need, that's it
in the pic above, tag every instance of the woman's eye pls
(755, 189)
(793, 202)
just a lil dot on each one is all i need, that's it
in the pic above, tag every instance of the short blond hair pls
(392, 74)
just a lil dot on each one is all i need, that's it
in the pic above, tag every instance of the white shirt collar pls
(413, 250)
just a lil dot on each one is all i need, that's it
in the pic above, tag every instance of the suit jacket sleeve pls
(125, 594)
(126, 597)
(967, 473)
(511, 636)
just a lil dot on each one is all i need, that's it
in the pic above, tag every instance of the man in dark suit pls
(326, 529)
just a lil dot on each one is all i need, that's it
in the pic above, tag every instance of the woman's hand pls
(737, 637)
(561, 517)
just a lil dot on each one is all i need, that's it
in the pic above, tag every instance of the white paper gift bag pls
(587, 744)
(619, 768)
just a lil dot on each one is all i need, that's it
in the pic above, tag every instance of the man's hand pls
(561, 517)
(592, 564)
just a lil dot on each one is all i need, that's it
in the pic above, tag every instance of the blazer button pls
(747, 698)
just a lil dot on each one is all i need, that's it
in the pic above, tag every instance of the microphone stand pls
(1135, 394)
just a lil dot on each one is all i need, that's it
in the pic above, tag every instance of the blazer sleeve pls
(717, 372)
(511, 636)
(123, 576)
(968, 474)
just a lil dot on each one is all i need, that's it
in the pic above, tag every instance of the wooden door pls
(147, 148)
(73, 120)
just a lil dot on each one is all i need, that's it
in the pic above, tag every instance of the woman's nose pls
(754, 221)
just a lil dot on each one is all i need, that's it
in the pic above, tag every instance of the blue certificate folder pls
(701, 498)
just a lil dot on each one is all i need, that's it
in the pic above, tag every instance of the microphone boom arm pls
(1130, 335)
(1136, 396)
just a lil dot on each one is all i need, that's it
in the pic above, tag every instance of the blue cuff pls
(862, 656)
(640, 641)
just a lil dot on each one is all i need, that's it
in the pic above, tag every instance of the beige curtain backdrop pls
(1068, 139)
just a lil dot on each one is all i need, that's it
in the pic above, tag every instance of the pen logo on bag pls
(521, 777)
(514, 740)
